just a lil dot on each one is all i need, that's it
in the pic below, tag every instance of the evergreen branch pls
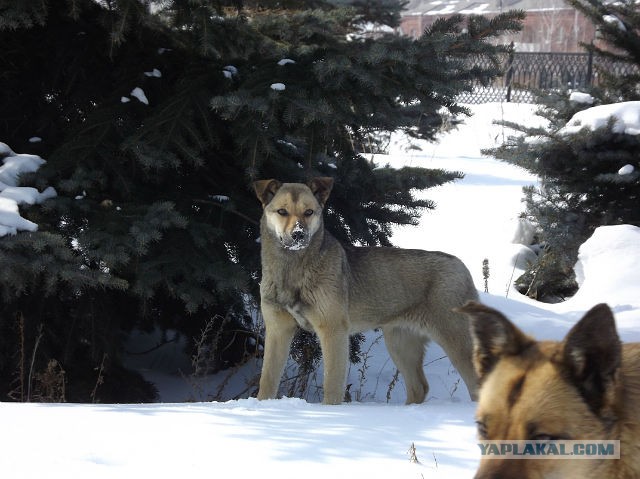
(227, 209)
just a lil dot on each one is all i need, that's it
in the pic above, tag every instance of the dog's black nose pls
(297, 235)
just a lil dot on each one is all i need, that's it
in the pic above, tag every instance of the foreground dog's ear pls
(266, 190)
(592, 355)
(321, 187)
(494, 336)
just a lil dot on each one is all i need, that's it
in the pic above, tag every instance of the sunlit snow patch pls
(12, 195)
(626, 117)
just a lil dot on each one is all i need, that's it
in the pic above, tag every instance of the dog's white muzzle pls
(296, 239)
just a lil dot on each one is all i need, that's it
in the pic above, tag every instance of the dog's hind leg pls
(406, 349)
(459, 358)
(280, 328)
(454, 336)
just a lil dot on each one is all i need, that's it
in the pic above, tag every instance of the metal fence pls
(545, 71)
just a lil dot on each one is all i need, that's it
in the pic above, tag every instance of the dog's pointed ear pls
(266, 190)
(321, 188)
(494, 336)
(592, 356)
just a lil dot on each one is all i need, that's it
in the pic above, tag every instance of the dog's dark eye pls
(482, 429)
(282, 212)
(308, 212)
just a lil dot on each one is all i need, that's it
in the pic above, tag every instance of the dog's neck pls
(284, 270)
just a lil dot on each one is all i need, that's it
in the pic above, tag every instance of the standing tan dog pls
(310, 280)
(586, 387)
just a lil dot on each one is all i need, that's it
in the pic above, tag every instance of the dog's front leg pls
(334, 341)
(279, 330)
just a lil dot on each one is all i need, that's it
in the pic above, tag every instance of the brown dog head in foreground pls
(585, 388)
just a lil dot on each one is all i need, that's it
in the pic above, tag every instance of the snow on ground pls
(476, 218)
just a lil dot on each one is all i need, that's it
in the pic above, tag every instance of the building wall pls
(544, 31)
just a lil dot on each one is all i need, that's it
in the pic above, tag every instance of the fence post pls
(509, 76)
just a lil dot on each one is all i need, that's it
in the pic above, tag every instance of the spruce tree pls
(155, 121)
(581, 181)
